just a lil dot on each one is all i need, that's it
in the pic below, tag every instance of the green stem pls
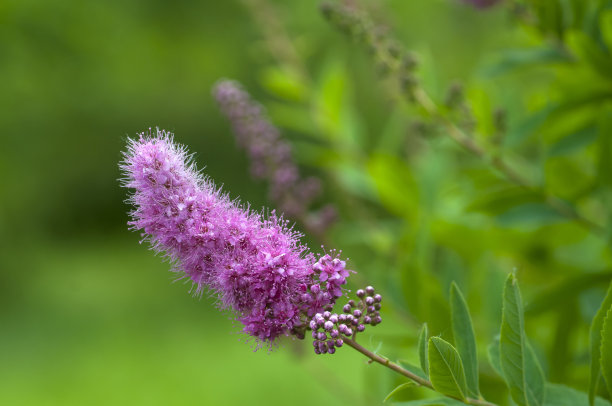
(413, 377)
(468, 143)
(359, 25)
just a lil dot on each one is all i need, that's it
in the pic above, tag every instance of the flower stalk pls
(402, 371)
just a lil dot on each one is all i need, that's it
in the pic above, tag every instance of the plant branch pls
(468, 143)
(413, 377)
(392, 59)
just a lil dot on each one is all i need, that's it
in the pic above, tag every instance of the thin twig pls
(413, 377)
(386, 51)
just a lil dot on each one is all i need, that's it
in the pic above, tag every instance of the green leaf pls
(399, 388)
(512, 60)
(446, 369)
(533, 214)
(432, 402)
(561, 395)
(595, 335)
(589, 51)
(465, 340)
(284, 84)
(413, 368)
(606, 28)
(397, 189)
(522, 130)
(332, 103)
(576, 140)
(604, 167)
(494, 356)
(519, 366)
(502, 199)
(423, 349)
(534, 375)
(569, 289)
(606, 350)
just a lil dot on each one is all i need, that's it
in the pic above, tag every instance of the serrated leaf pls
(465, 340)
(523, 376)
(446, 369)
(423, 340)
(399, 388)
(595, 337)
(606, 350)
(561, 395)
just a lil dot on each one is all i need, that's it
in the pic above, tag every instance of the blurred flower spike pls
(254, 264)
(271, 158)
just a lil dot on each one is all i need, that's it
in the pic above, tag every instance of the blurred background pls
(90, 316)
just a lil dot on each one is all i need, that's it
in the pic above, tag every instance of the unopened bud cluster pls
(330, 329)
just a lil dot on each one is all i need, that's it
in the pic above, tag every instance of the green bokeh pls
(87, 314)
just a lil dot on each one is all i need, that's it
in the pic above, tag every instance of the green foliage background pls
(89, 316)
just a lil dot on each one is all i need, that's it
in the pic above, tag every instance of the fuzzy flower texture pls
(254, 264)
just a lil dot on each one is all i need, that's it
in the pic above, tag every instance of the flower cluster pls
(255, 265)
(271, 158)
(328, 329)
